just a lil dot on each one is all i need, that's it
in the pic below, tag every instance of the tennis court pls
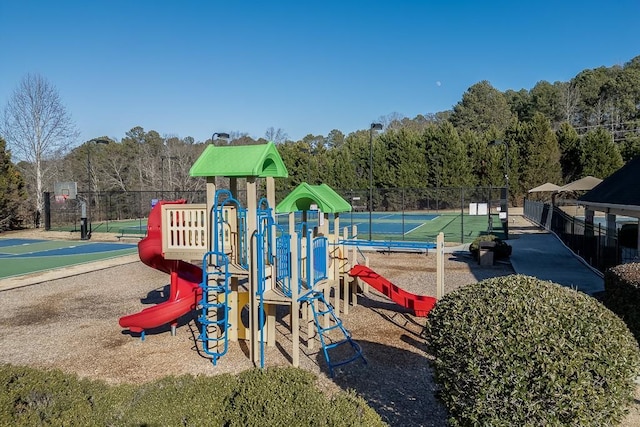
(412, 226)
(23, 256)
(409, 226)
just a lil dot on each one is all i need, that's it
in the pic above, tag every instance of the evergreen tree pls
(546, 98)
(570, 152)
(12, 190)
(543, 154)
(404, 154)
(478, 158)
(482, 106)
(630, 148)
(600, 155)
(453, 154)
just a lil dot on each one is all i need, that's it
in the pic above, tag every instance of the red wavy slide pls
(419, 304)
(184, 286)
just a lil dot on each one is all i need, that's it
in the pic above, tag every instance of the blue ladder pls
(325, 308)
(213, 331)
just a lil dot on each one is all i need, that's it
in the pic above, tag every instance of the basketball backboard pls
(66, 190)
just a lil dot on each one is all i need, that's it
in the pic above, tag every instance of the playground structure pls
(228, 260)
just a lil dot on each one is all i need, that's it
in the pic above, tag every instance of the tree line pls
(554, 132)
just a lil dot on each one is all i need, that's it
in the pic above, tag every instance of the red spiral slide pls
(184, 286)
(419, 304)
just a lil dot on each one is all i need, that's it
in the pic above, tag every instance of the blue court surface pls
(23, 256)
(382, 223)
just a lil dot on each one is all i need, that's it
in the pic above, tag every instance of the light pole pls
(85, 232)
(505, 201)
(162, 174)
(219, 135)
(374, 126)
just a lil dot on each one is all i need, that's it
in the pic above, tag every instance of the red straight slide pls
(184, 286)
(419, 304)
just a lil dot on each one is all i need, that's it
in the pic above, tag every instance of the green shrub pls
(622, 294)
(288, 397)
(519, 351)
(31, 397)
(501, 250)
(277, 396)
(180, 401)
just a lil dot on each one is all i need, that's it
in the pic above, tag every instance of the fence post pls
(440, 266)
(47, 211)
(402, 213)
(461, 215)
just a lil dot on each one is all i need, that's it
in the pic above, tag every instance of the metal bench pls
(131, 234)
(389, 245)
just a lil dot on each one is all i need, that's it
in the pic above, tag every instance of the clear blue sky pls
(191, 68)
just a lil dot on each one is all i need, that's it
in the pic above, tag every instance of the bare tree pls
(276, 135)
(570, 98)
(37, 127)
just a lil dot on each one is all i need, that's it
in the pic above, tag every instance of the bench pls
(131, 234)
(390, 245)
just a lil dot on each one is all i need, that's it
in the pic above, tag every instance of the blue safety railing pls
(220, 222)
(319, 259)
(283, 263)
(303, 230)
(214, 315)
(278, 257)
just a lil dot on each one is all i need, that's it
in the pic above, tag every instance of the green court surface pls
(25, 256)
(456, 228)
(395, 226)
(127, 226)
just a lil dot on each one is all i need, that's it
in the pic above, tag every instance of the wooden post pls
(233, 187)
(271, 324)
(211, 200)
(252, 209)
(295, 306)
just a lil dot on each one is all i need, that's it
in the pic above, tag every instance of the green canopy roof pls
(240, 161)
(305, 195)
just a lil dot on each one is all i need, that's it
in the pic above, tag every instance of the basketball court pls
(25, 256)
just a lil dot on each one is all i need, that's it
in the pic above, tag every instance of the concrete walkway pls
(538, 253)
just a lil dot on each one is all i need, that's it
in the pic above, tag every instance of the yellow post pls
(233, 310)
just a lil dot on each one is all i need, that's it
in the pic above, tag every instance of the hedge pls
(276, 396)
(622, 294)
(516, 350)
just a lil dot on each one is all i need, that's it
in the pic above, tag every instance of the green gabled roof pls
(240, 161)
(305, 195)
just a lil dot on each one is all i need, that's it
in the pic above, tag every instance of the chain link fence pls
(104, 209)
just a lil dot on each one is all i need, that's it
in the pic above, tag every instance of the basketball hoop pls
(65, 190)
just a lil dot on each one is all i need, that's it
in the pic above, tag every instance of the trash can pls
(485, 253)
